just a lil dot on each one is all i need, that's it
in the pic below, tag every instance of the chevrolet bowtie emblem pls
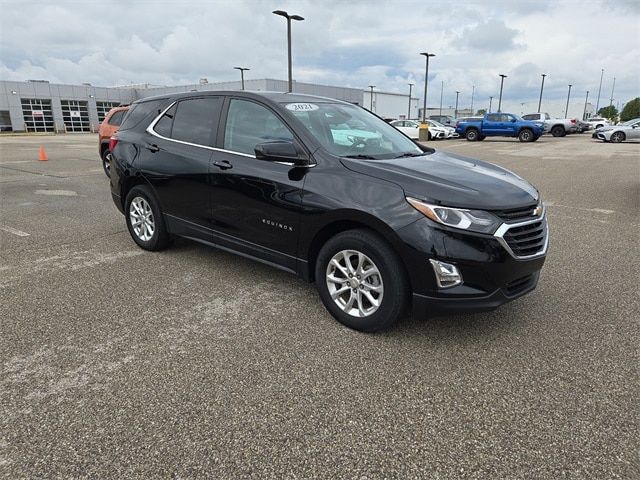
(537, 211)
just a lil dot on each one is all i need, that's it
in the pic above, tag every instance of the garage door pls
(103, 109)
(75, 115)
(37, 114)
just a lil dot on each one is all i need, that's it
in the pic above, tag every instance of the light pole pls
(371, 98)
(566, 109)
(441, 91)
(455, 115)
(584, 112)
(612, 89)
(409, 110)
(242, 70)
(502, 77)
(541, 88)
(490, 102)
(284, 14)
(426, 82)
(599, 89)
(473, 91)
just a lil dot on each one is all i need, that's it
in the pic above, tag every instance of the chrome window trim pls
(151, 131)
(505, 227)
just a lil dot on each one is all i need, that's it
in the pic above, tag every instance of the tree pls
(630, 110)
(482, 111)
(608, 112)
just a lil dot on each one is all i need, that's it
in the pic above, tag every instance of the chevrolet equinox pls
(328, 191)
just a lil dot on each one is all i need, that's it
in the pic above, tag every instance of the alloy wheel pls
(354, 283)
(141, 217)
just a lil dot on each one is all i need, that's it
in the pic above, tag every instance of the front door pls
(255, 204)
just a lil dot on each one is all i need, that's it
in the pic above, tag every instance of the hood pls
(451, 180)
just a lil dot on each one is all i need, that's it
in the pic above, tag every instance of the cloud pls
(490, 36)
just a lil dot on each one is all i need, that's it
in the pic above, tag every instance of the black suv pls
(326, 190)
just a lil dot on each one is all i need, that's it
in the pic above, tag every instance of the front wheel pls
(361, 281)
(525, 135)
(617, 137)
(144, 219)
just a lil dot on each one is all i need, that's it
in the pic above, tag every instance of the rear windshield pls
(116, 118)
(141, 111)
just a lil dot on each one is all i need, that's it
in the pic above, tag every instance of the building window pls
(75, 115)
(37, 113)
(103, 109)
(5, 121)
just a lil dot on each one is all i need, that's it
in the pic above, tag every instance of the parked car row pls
(437, 131)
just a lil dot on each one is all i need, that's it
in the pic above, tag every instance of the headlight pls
(473, 220)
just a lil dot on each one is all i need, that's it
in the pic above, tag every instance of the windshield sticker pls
(302, 107)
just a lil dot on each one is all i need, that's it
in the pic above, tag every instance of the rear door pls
(255, 204)
(491, 124)
(179, 147)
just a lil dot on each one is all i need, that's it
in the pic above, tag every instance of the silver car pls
(629, 130)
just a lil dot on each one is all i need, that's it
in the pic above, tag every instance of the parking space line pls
(19, 233)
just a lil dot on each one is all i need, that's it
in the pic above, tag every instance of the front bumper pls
(492, 274)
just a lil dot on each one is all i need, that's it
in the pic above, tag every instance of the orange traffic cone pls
(42, 156)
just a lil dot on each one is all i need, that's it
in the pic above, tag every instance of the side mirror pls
(513, 120)
(281, 151)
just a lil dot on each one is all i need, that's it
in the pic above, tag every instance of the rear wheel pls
(106, 161)
(617, 137)
(472, 135)
(361, 281)
(144, 219)
(558, 131)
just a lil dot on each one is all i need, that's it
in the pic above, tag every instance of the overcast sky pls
(345, 43)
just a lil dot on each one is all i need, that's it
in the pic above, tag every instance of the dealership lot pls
(119, 362)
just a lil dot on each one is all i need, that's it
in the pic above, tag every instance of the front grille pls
(527, 239)
(515, 214)
(518, 286)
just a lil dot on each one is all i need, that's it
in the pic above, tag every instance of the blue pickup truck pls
(500, 125)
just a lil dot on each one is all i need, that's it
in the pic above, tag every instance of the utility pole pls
(473, 91)
(584, 112)
(242, 70)
(426, 82)
(284, 14)
(371, 98)
(455, 115)
(441, 91)
(566, 109)
(409, 110)
(490, 101)
(612, 89)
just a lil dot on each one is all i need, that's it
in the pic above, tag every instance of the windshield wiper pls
(410, 154)
(360, 155)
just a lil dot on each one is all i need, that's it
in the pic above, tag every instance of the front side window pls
(249, 124)
(351, 131)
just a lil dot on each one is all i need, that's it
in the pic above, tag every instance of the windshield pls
(631, 122)
(350, 131)
(437, 124)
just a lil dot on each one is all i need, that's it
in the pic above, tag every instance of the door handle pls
(152, 147)
(223, 165)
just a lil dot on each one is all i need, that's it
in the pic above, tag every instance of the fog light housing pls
(447, 275)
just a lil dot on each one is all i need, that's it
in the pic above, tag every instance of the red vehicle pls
(108, 127)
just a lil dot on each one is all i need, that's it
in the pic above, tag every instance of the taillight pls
(573, 120)
(113, 141)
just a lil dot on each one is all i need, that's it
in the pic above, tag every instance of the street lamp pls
(371, 98)
(284, 14)
(541, 88)
(490, 102)
(502, 77)
(473, 91)
(612, 89)
(426, 79)
(242, 70)
(409, 110)
(441, 91)
(584, 112)
(455, 115)
(599, 89)
(566, 109)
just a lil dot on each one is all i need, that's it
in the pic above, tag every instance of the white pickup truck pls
(558, 127)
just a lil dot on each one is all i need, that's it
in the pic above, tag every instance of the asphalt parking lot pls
(120, 363)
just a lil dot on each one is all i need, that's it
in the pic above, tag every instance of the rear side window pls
(249, 124)
(163, 126)
(141, 111)
(531, 116)
(494, 117)
(116, 118)
(196, 120)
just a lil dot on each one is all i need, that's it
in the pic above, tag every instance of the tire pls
(525, 135)
(472, 135)
(535, 139)
(558, 131)
(106, 162)
(481, 138)
(152, 233)
(429, 136)
(390, 286)
(617, 137)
